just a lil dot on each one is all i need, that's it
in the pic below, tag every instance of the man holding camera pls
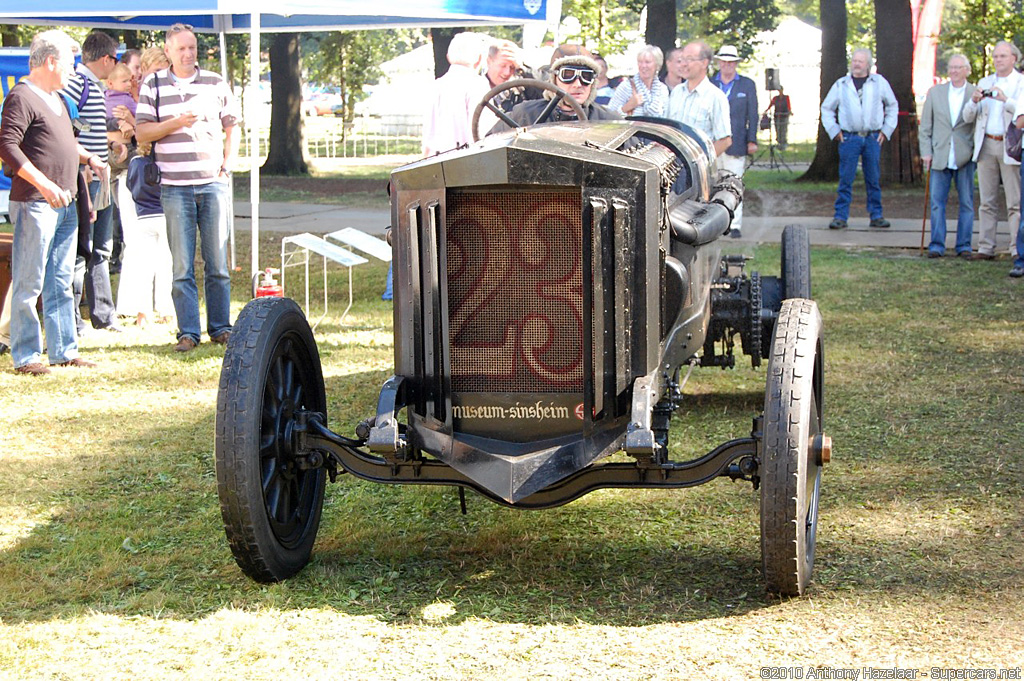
(994, 101)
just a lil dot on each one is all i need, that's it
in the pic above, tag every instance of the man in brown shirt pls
(38, 144)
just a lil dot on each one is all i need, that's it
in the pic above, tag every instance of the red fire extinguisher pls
(268, 286)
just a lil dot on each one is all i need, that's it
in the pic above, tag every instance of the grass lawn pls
(114, 564)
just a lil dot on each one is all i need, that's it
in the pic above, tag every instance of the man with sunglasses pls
(574, 70)
(92, 266)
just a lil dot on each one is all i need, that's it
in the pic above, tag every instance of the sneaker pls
(735, 233)
(77, 362)
(934, 254)
(221, 338)
(33, 369)
(964, 255)
(837, 224)
(1017, 272)
(4, 348)
(185, 344)
(881, 223)
(982, 256)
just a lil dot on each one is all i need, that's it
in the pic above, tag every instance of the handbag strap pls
(156, 83)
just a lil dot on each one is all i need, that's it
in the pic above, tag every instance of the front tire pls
(796, 262)
(792, 449)
(270, 506)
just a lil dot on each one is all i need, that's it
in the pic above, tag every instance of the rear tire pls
(271, 508)
(790, 466)
(796, 262)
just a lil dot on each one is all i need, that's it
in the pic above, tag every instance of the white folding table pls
(295, 250)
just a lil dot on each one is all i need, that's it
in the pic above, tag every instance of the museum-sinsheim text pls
(858, 673)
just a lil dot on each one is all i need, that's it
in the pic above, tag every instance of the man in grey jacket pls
(946, 135)
(860, 111)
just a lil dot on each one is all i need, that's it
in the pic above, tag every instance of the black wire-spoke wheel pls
(558, 96)
(796, 262)
(270, 503)
(794, 448)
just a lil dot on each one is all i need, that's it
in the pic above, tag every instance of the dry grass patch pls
(113, 561)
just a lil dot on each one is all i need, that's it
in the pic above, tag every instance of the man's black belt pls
(869, 133)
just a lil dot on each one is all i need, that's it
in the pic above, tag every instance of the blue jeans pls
(1019, 260)
(43, 261)
(852, 149)
(97, 275)
(202, 206)
(92, 273)
(389, 292)
(939, 190)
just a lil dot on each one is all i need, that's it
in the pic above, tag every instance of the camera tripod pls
(775, 159)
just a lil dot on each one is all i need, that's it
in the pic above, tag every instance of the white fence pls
(365, 137)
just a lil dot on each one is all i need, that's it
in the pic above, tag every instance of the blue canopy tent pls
(236, 16)
(258, 16)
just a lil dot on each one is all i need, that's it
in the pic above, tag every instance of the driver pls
(574, 70)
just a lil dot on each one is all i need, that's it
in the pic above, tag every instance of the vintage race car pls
(551, 284)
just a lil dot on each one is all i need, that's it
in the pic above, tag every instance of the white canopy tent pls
(259, 16)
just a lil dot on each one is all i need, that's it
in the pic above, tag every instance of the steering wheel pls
(559, 93)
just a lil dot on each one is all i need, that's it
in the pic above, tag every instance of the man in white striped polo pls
(191, 116)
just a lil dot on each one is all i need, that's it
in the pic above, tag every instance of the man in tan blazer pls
(946, 135)
(994, 100)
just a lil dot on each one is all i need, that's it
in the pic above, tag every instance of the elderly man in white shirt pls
(994, 101)
(448, 121)
(946, 136)
(697, 102)
(861, 111)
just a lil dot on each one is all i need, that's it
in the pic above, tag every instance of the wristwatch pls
(225, 171)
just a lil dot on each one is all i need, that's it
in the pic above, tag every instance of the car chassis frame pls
(275, 449)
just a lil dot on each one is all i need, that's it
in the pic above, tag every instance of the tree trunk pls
(661, 25)
(8, 36)
(132, 40)
(441, 38)
(894, 41)
(825, 166)
(287, 152)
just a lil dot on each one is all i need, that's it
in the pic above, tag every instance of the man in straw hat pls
(743, 118)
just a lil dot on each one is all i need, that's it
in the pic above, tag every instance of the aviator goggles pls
(567, 74)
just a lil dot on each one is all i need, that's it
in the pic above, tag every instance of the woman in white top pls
(146, 277)
(643, 94)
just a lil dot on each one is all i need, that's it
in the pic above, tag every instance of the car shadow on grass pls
(131, 526)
